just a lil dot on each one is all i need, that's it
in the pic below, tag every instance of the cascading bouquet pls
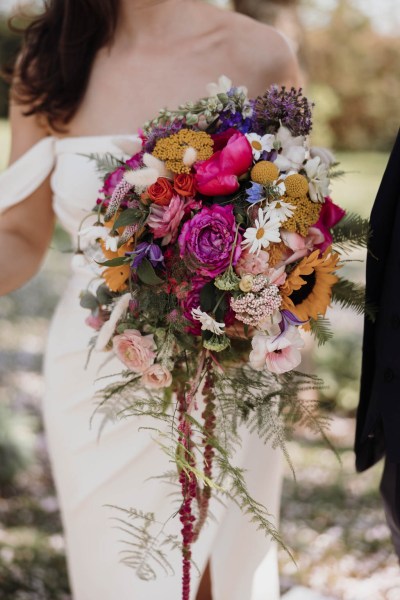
(220, 245)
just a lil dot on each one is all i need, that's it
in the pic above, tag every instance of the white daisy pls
(266, 230)
(207, 322)
(279, 210)
(318, 180)
(260, 144)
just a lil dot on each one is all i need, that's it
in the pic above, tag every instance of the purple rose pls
(206, 240)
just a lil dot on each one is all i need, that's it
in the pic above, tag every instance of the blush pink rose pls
(157, 377)
(278, 354)
(252, 264)
(218, 176)
(135, 350)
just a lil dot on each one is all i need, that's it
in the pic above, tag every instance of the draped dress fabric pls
(94, 472)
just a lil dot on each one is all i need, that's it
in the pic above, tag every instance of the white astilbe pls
(207, 322)
(107, 330)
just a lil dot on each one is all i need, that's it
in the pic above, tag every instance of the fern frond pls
(349, 295)
(105, 163)
(321, 330)
(352, 232)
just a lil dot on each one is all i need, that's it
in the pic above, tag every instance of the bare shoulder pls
(264, 51)
(265, 55)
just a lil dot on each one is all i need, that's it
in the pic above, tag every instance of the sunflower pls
(307, 291)
(116, 277)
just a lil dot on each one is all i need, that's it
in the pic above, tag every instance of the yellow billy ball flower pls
(296, 185)
(264, 172)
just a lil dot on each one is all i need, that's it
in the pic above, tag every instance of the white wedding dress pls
(92, 472)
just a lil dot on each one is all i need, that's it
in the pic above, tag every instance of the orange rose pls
(161, 191)
(184, 184)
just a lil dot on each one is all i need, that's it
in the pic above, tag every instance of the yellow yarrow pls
(172, 149)
(296, 185)
(264, 172)
(305, 215)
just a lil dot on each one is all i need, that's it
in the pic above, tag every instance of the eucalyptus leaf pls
(147, 274)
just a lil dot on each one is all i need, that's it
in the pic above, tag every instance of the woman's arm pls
(26, 228)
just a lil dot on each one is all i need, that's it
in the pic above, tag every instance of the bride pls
(90, 73)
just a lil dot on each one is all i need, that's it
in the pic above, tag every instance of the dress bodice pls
(75, 181)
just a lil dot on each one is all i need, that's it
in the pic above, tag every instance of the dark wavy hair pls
(52, 71)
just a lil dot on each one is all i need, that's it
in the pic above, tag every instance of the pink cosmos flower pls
(157, 377)
(165, 220)
(135, 350)
(218, 176)
(278, 354)
(330, 216)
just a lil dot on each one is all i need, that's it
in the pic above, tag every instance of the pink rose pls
(252, 264)
(135, 350)
(157, 377)
(218, 176)
(329, 216)
(278, 354)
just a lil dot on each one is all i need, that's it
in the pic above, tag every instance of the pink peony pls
(135, 350)
(330, 216)
(218, 176)
(206, 241)
(278, 354)
(165, 220)
(157, 377)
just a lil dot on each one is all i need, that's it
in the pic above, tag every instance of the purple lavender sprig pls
(278, 106)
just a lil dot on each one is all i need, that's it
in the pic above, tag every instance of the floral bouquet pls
(220, 245)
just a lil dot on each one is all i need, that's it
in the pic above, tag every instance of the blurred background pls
(332, 518)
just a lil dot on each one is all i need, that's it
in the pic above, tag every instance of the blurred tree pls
(355, 72)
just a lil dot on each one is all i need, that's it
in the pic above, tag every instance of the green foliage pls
(128, 217)
(105, 163)
(321, 330)
(147, 274)
(352, 295)
(352, 232)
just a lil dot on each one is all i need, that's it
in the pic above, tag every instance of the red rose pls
(184, 184)
(161, 191)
